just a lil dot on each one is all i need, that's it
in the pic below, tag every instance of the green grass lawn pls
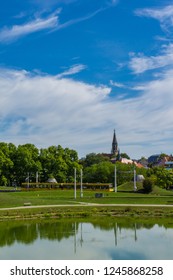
(125, 195)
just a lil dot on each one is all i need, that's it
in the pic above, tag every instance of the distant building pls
(168, 165)
(130, 161)
(159, 160)
(127, 161)
(143, 161)
(115, 154)
(154, 159)
(139, 165)
(115, 151)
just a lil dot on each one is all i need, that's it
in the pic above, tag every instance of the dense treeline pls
(99, 168)
(17, 162)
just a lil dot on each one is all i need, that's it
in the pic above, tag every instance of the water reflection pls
(96, 239)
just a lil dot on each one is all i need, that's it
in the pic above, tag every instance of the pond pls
(99, 239)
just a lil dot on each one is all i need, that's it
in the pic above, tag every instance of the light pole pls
(115, 179)
(81, 187)
(36, 179)
(135, 188)
(75, 183)
(28, 181)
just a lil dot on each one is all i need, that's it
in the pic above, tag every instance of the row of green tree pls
(99, 169)
(17, 162)
(159, 176)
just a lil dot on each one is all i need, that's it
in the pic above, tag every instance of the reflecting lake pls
(100, 239)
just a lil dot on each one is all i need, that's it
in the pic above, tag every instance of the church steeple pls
(114, 150)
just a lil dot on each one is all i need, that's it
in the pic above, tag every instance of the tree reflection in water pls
(75, 231)
(28, 231)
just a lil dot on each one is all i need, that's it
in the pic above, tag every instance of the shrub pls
(148, 185)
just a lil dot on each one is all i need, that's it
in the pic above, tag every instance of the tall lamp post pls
(28, 181)
(115, 179)
(135, 188)
(75, 183)
(81, 183)
(36, 179)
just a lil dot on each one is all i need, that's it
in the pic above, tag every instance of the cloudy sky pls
(72, 71)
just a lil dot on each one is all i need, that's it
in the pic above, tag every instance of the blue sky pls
(72, 71)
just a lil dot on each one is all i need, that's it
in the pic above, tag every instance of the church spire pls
(114, 150)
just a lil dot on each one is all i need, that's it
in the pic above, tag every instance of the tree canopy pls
(16, 163)
(19, 162)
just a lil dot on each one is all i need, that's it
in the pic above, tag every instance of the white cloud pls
(72, 70)
(116, 84)
(46, 110)
(164, 15)
(160, 14)
(77, 20)
(51, 23)
(8, 34)
(141, 63)
(47, 107)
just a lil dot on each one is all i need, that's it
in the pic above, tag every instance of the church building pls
(115, 152)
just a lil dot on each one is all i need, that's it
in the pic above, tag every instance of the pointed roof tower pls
(114, 150)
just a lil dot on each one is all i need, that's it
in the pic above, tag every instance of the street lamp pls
(115, 179)
(74, 183)
(135, 188)
(81, 187)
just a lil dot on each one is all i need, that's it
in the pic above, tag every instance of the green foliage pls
(148, 185)
(17, 162)
(124, 173)
(124, 155)
(6, 163)
(59, 163)
(164, 177)
(93, 158)
(102, 172)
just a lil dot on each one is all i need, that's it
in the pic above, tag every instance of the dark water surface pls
(99, 239)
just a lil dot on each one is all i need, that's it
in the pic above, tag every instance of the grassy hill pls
(129, 188)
